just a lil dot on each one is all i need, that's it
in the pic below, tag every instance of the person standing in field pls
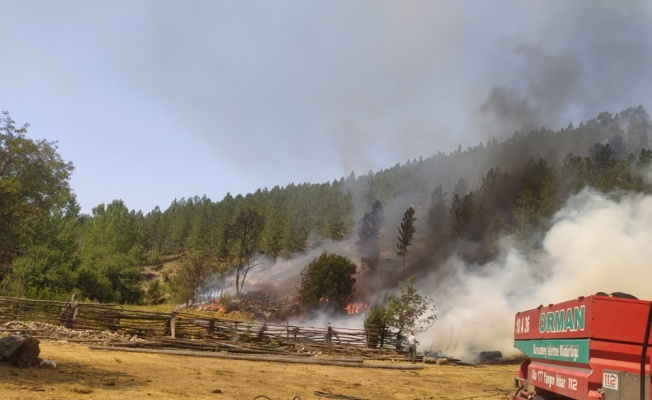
(412, 347)
(330, 332)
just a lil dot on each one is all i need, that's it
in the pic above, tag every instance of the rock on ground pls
(21, 351)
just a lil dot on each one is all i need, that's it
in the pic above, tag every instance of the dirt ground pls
(82, 373)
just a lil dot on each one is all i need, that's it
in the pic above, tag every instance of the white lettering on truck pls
(557, 380)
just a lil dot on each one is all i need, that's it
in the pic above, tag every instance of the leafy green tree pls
(377, 315)
(48, 267)
(33, 185)
(194, 270)
(328, 279)
(244, 234)
(406, 233)
(110, 255)
(409, 309)
(110, 277)
(375, 324)
(155, 293)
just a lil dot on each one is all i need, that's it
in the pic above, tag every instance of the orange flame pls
(214, 307)
(356, 308)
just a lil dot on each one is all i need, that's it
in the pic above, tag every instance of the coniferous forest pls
(462, 202)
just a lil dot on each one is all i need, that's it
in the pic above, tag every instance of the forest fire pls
(356, 308)
(351, 308)
(214, 307)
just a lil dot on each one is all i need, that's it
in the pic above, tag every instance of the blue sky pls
(154, 100)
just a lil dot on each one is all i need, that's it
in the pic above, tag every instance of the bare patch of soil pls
(82, 373)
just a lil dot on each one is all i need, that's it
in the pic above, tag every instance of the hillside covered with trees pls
(405, 217)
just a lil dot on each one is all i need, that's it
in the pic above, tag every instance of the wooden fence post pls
(211, 327)
(69, 312)
(170, 328)
(15, 310)
(235, 329)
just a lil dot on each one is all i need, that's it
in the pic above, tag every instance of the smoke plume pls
(597, 243)
(572, 62)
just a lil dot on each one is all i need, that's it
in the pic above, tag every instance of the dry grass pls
(168, 308)
(82, 373)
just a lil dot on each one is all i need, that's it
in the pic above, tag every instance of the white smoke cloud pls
(283, 277)
(597, 243)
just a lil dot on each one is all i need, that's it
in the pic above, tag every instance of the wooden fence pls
(180, 325)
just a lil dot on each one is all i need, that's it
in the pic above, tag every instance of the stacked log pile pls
(113, 325)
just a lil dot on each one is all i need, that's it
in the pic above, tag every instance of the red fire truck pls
(595, 347)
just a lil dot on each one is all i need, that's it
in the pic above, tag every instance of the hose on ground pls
(262, 396)
(337, 396)
(319, 394)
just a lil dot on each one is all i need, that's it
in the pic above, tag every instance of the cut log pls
(295, 360)
(21, 351)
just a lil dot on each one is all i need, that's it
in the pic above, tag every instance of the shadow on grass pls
(78, 378)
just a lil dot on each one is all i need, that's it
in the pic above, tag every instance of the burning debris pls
(215, 307)
(259, 305)
(357, 308)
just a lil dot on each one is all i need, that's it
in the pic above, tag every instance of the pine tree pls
(245, 232)
(369, 236)
(406, 233)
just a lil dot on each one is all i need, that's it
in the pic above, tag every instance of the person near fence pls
(329, 337)
(412, 347)
(69, 312)
(399, 341)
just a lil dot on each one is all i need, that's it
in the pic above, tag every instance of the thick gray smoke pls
(574, 61)
(596, 244)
